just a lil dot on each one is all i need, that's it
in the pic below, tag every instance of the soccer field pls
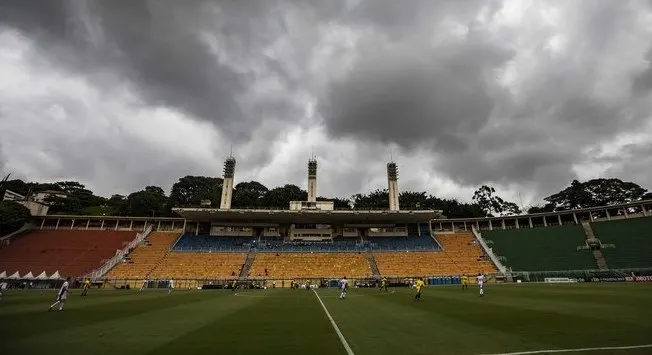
(511, 318)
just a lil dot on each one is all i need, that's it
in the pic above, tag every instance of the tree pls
(375, 200)
(548, 207)
(280, 197)
(249, 195)
(13, 216)
(647, 196)
(341, 203)
(594, 193)
(75, 198)
(117, 205)
(410, 200)
(149, 202)
(191, 190)
(494, 205)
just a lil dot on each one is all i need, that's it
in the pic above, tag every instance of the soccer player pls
(62, 295)
(142, 287)
(170, 286)
(480, 281)
(87, 285)
(233, 285)
(465, 282)
(383, 284)
(418, 285)
(344, 284)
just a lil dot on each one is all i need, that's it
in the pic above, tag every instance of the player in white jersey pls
(62, 295)
(480, 281)
(344, 284)
(170, 286)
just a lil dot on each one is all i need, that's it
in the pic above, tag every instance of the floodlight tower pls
(227, 184)
(392, 179)
(312, 180)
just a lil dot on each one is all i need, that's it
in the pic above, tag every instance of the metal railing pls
(117, 258)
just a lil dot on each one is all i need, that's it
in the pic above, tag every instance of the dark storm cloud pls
(411, 94)
(643, 81)
(447, 97)
(159, 47)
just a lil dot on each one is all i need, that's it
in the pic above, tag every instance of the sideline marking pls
(337, 330)
(576, 350)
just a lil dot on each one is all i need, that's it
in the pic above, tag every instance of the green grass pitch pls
(511, 318)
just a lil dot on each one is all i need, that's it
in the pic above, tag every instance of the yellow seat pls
(460, 255)
(310, 265)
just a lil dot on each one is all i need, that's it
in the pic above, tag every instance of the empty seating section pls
(460, 255)
(632, 240)
(145, 257)
(414, 242)
(340, 244)
(188, 265)
(202, 243)
(71, 252)
(540, 249)
(310, 265)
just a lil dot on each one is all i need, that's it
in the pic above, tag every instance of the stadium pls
(550, 266)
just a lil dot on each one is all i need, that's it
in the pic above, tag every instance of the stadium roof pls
(306, 216)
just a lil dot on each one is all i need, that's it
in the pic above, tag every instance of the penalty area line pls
(576, 350)
(337, 329)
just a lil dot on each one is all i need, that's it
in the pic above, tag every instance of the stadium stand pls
(542, 249)
(632, 240)
(189, 265)
(71, 252)
(310, 265)
(203, 243)
(145, 257)
(460, 255)
(342, 244)
(414, 243)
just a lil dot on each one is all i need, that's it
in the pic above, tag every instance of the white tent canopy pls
(15, 276)
(29, 276)
(42, 276)
(55, 276)
(3, 275)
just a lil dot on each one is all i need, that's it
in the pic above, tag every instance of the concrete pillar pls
(559, 219)
(57, 226)
(529, 220)
(88, 223)
(545, 223)
(575, 218)
(517, 226)
(608, 215)
(491, 227)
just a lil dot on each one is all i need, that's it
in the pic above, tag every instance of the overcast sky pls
(522, 95)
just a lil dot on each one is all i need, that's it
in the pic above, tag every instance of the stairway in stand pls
(372, 264)
(244, 272)
(597, 254)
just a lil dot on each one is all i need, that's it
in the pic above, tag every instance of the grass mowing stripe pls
(337, 330)
(576, 350)
(131, 334)
(287, 322)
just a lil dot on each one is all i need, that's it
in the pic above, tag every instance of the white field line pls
(576, 350)
(337, 329)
